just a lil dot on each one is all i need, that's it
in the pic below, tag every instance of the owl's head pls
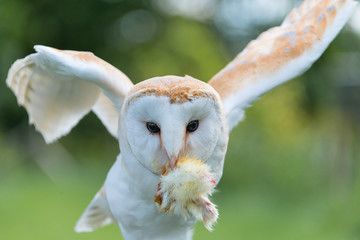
(165, 118)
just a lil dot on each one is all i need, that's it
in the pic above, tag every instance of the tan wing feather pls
(57, 88)
(280, 54)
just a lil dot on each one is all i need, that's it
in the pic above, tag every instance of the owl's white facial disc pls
(190, 127)
(154, 150)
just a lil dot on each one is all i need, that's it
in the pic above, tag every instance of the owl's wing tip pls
(96, 215)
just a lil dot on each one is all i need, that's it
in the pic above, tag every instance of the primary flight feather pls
(164, 119)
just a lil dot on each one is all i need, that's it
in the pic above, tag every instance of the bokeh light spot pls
(138, 26)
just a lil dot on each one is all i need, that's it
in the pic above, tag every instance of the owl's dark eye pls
(192, 126)
(152, 127)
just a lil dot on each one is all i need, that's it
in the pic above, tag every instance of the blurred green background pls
(292, 167)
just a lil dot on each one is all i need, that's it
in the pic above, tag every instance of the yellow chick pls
(185, 189)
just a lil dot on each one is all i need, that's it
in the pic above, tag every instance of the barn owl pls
(162, 119)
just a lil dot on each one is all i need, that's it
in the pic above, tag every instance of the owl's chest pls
(130, 195)
(128, 187)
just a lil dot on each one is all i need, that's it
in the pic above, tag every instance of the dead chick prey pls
(185, 190)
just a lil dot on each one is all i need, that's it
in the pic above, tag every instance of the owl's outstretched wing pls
(57, 88)
(280, 54)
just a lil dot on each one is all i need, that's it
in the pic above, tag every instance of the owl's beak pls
(173, 161)
(173, 140)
